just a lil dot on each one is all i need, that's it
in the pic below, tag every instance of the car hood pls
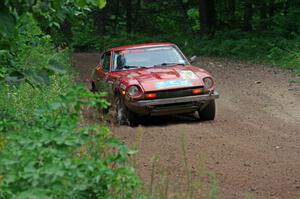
(166, 78)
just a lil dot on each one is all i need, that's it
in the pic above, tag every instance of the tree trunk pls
(286, 7)
(186, 24)
(207, 16)
(248, 15)
(271, 8)
(263, 15)
(117, 16)
(137, 16)
(231, 13)
(128, 16)
(100, 20)
(263, 10)
(231, 8)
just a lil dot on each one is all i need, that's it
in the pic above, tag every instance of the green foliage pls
(29, 60)
(7, 23)
(273, 37)
(84, 36)
(48, 156)
(50, 14)
(45, 150)
(44, 153)
(287, 25)
(23, 60)
(193, 14)
(22, 24)
(263, 48)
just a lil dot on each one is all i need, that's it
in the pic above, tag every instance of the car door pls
(103, 70)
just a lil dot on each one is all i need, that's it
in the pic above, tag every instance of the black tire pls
(93, 87)
(209, 112)
(123, 115)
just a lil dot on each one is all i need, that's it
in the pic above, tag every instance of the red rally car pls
(153, 79)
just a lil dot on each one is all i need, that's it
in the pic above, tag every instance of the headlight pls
(133, 91)
(208, 82)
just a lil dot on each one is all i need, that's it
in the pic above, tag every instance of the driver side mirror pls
(193, 59)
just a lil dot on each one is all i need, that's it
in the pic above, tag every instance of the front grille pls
(175, 93)
(182, 104)
(176, 108)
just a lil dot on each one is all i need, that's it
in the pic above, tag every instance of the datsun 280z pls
(154, 79)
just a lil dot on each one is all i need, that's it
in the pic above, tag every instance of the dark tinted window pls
(106, 61)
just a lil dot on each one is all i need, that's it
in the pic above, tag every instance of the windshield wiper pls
(128, 67)
(168, 64)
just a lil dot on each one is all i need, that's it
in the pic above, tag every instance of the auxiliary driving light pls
(196, 91)
(150, 95)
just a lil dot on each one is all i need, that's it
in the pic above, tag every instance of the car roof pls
(141, 46)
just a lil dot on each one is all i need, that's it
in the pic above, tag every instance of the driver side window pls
(106, 61)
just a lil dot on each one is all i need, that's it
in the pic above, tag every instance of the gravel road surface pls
(253, 146)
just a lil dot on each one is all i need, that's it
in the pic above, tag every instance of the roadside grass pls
(248, 195)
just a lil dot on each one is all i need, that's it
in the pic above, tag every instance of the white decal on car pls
(187, 74)
(173, 83)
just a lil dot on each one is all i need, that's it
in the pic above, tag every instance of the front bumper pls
(194, 98)
(171, 105)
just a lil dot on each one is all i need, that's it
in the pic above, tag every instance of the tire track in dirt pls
(253, 146)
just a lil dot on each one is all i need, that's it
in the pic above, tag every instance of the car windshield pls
(147, 57)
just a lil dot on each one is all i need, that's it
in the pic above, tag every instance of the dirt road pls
(253, 146)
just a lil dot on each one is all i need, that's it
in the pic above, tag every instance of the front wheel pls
(209, 112)
(123, 114)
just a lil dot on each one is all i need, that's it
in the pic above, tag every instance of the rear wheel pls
(123, 115)
(209, 112)
(93, 87)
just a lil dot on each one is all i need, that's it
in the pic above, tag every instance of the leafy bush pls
(45, 150)
(263, 48)
(44, 153)
(287, 25)
(50, 157)
(30, 54)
